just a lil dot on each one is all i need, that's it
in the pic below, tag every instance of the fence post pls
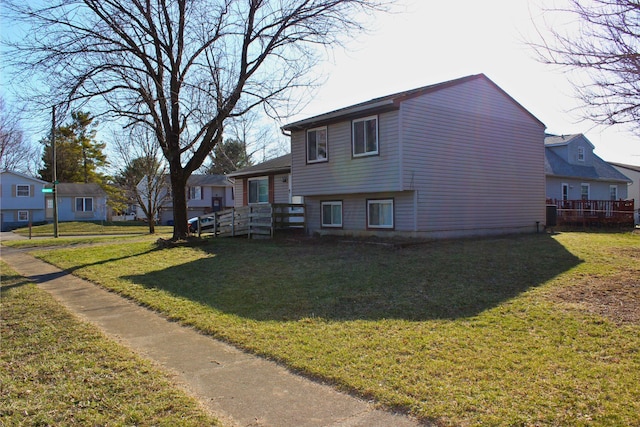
(233, 221)
(273, 214)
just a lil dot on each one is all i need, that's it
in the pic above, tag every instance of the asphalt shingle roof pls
(279, 164)
(598, 170)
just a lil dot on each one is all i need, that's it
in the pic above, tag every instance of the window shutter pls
(32, 190)
(73, 204)
(13, 190)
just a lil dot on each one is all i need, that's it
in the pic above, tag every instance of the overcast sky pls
(434, 41)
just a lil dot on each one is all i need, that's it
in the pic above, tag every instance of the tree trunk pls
(178, 191)
(152, 225)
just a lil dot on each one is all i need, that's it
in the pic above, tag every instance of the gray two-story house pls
(575, 172)
(459, 158)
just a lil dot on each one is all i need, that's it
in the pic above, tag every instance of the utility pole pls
(55, 172)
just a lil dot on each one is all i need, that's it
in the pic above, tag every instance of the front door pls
(216, 204)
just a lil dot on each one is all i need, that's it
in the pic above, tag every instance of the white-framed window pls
(331, 213)
(584, 191)
(23, 190)
(49, 203)
(565, 192)
(364, 135)
(613, 192)
(581, 154)
(23, 216)
(84, 204)
(317, 145)
(380, 213)
(195, 193)
(258, 190)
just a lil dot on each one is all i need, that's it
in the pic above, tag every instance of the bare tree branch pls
(600, 39)
(182, 67)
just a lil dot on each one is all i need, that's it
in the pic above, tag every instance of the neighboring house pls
(21, 200)
(267, 182)
(78, 202)
(459, 158)
(575, 172)
(205, 194)
(633, 172)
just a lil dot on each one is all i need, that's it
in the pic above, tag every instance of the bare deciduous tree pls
(602, 39)
(142, 176)
(16, 153)
(182, 67)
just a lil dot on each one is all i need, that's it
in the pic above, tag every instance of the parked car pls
(205, 223)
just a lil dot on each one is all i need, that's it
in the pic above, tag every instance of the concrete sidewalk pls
(241, 389)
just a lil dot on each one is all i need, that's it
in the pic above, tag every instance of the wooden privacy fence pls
(254, 221)
(594, 212)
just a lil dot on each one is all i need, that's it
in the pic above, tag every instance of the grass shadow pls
(276, 280)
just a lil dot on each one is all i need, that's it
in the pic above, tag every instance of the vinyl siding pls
(342, 173)
(281, 189)
(598, 190)
(354, 213)
(475, 158)
(238, 192)
(9, 199)
(460, 161)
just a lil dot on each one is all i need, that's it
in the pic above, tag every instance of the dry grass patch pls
(615, 297)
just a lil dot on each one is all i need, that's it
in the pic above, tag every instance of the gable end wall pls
(475, 158)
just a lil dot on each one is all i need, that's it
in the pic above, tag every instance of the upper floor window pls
(195, 193)
(365, 136)
(317, 145)
(581, 154)
(258, 190)
(84, 204)
(22, 190)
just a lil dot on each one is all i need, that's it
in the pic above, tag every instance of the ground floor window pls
(380, 213)
(23, 216)
(331, 214)
(584, 191)
(84, 204)
(259, 190)
(613, 192)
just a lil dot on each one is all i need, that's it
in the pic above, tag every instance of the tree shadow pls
(275, 280)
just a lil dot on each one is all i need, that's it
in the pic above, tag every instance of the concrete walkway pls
(241, 389)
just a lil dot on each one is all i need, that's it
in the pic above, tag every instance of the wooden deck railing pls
(254, 221)
(594, 212)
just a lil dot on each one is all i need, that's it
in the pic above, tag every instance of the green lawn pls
(502, 331)
(56, 371)
(75, 228)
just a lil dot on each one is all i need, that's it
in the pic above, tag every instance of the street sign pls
(47, 190)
